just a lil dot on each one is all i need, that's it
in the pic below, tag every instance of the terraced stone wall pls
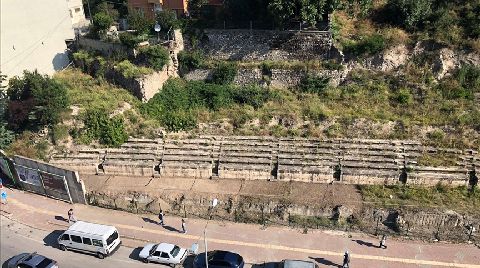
(275, 159)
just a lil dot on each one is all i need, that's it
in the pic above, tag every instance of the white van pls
(102, 240)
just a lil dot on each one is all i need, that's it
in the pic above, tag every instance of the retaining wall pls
(275, 159)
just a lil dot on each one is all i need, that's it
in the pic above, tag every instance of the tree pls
(195, 7)
(411, 13)
(167, 19)
(6, 137)
(310, 11)
(50, 102)
(101, 23)
(35, 100)
(138, 22)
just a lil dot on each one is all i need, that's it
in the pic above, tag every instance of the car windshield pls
(175, 251)
(44, 263)
(112, 238)
(153, 249)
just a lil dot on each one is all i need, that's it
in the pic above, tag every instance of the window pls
(112, 238)
(76, 239)
(71, 14)
(22, 265)
(165, 255)
(44, 263)
(156, 253)
(77, 10)
(97, 243)
(87, 241)
(175, 251)
(65, 237)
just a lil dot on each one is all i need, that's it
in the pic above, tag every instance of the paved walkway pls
(253, 243)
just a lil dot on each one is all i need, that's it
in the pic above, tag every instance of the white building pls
(33, 35)
(77, 13)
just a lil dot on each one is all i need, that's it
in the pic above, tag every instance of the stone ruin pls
(348, 161)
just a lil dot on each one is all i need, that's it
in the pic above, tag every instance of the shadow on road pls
(170, 228)
(325, 262)
(148, 220)
(51, 238)
(61, 218)
(134, 254)
(363, 243)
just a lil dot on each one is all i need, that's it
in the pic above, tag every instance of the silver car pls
(31, 260)
(163, 253)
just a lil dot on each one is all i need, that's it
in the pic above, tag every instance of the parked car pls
(219, 259)
(31, 260)
(101, 240)
(163, 253)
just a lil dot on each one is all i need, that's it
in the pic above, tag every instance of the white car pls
(163, 253)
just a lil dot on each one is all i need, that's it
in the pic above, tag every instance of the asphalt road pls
(17, 238)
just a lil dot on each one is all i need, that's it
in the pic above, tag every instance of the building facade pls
(75, 8)
(33, 36)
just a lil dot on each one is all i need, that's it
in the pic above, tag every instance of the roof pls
(298, 264)
(91, 228)
(164, 247)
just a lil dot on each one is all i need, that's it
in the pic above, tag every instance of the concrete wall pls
(33, 34)
(76, 189)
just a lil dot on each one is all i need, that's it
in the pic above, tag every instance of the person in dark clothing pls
(184, 226)
(160, 217)
(383, 241)
(346, 260)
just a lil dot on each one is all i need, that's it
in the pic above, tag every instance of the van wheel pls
(145, 260)
(63, 247)
(100, 255)
(173, 265)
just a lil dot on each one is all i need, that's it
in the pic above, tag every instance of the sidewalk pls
(253, 243)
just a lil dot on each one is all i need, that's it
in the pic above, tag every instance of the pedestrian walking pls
(346, 260)
(184, 230)
(160, 217)
(383, 242)
(71, 218)
(3, 196)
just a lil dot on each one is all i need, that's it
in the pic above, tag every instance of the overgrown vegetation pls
(179, 102)
(155, 57)
(460, 199)
(35, 101)
(224, 73)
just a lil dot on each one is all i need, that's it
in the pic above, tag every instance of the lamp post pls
(158, 28)
(214, 204)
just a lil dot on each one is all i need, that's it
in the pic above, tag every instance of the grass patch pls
(459, 199)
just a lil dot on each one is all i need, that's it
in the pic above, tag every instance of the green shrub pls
(314, 84)
(367, 46)
(189, 60)
(129, 40)
(130, 70)
(404, 96)
(59, 133)
(179, 120)
(6, 137)
(98, 125)
(252, 95)
(155, 57)
(224, 73)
